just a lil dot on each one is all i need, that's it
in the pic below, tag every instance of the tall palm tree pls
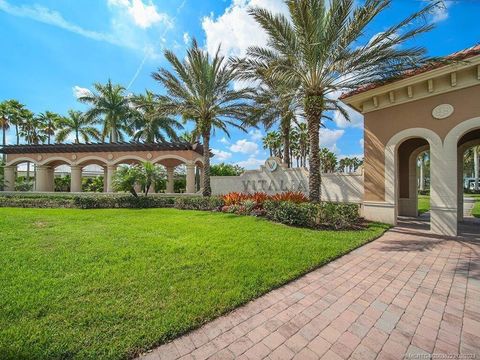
(80, 125)
(190, 137)
(15, 114)
(150, 125)
(274, 102)
(110, 102)
(30, 128)
(272, 141)
(328, 160)
(199, 89)
(300, 133)
(320, 48)
(50, 122)
(5, 113)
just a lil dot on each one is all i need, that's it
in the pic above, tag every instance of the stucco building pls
(108, 156)
(435, 108)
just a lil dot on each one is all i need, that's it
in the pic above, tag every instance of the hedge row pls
(84, 201)
(317, 216)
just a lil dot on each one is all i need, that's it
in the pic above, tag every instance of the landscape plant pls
(320, 47)
(199, 89)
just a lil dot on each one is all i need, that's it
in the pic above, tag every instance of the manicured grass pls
(424, 204)
(107, 284)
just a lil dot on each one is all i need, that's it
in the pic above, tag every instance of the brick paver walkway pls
(407, 293)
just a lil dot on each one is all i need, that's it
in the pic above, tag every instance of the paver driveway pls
(406, 294)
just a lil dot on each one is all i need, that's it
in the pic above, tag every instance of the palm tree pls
(150, 125)
(5, 113)
(320, 48)
(274, 102)
(78, 124)
(50, 122)
(190, 137)
(109, 101)
(272, 141)
(300, 134)
(328, 160)
(199, 89)
(15, 112)
(30, 128)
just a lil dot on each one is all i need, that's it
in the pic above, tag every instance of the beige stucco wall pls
(336, 187)
(381, 125)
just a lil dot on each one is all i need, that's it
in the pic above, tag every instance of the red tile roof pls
(457, 56)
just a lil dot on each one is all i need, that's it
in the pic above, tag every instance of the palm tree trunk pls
(207, 190)
(4, 141)
(286, 143)
(17, 134)
(313, 112)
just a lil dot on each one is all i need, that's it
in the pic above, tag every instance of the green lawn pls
(424, 204)
(110, 283)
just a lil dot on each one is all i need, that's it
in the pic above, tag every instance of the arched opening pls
(468, 182)
(25, 174)
(413, 205)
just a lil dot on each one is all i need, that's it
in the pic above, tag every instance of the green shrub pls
(324, 215)
(290, 213)
(198, 203)
(337, 215)
(84, 201)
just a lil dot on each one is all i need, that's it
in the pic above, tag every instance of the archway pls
(408, 152)
(468, 215)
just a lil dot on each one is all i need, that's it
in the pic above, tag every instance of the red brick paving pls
(406, 293)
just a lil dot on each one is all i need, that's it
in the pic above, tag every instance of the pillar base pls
(443, 221)
(379, 211)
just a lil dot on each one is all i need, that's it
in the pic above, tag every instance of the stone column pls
(76, 179)
(190, 179)
(170, 180)
(105, 172)
(51, 180)
(43, 179)
(9, 178)
(202, 177)
(110, 174)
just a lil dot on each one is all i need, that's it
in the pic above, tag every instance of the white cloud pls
(329, 138)
(362, 143)
(440, 12)
(251, 163)
(255, 135)
(52, 17)
(186, 38)
(356, 119)
(221, 155)
(143, 14)
(79, 91)
(224, 141)
(245, 147)
(235, 29)
(128, 21)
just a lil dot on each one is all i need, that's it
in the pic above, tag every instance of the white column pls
(9, 178)
(76, 179)
(51, 180)
(170, 179)
(190, 178)
(110, 174)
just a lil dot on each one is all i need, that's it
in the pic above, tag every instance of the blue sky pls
(52, 49)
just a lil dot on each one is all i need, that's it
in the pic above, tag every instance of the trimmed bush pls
(83, 201)
(336, 216)
(199, 203)
(122, 201)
